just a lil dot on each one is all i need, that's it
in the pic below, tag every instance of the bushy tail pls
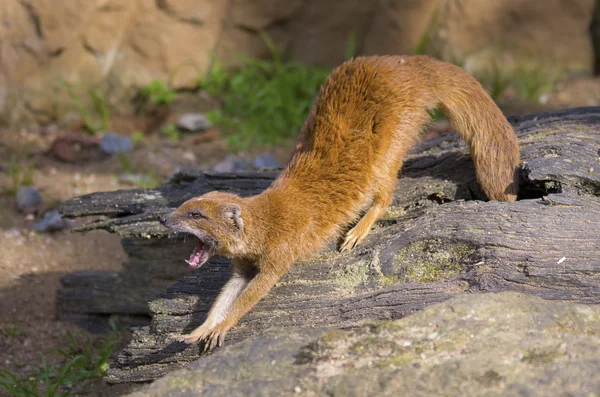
(480, 122)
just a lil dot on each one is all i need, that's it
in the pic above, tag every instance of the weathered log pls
(437, 240)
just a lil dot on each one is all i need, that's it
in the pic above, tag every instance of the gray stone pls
(193, 122)
(114, 143)
(476, 345)
(51, 222)
(28, 198)
(231, 163)
(265, 161)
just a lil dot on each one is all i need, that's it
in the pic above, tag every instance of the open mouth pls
(199, 256)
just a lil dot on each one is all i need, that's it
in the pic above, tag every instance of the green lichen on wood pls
(394, 212)
(362, 272)
(432, 260)
(334, 336)
(353, 274)
(541, 134)
(490, 378)
(541, 357)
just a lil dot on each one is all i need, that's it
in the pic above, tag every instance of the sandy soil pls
(31, 264)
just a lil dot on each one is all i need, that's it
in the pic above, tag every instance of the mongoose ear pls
(233, 212)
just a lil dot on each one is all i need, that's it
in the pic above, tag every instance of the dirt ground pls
(31, 264)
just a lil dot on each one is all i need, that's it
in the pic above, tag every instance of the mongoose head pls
(215, 219)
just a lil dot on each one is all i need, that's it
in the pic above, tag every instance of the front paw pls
(216, 337)
(195, 336)
(190, 339)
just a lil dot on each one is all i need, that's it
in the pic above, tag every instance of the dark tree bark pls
(438, 239)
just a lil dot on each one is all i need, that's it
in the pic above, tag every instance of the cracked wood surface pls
(437, 240)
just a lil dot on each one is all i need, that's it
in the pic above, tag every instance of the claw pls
(215, 338)
(189, 339)
(349, 243)
(352, 240)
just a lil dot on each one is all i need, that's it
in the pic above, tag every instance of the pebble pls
(193, 122)
(189, 156)
(114, 143)
(51, 222)
(74, 148)
(28, 198)
(230, 164)
(384, 352)
(49, 129)
(135, 179)
(15, 232)
(265, 160)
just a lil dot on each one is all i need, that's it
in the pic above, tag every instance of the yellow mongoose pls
(368, 114)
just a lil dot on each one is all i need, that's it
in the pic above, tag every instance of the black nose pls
(163, 219)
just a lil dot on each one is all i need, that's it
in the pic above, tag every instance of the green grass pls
(158, 93)
(83, 361)
(96, 118)
(264, 102)
(496, 82)
(19, 176)
(436, 114)
(171, 131)
(423, 43)
(137, 137)
(351, 46)
(143, 180)
(125, 162)
(11, 332)
(531, 82)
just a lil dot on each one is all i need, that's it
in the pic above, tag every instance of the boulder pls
(55, 51)
(505, 344)
(551, 35)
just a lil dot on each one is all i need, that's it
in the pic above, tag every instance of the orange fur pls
(368, 114)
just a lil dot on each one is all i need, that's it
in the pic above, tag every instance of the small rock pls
(384, 352)
(230, 164)
(193, 122)
(28, 199)
(189, 156)
(206, 136)
(137, 179)
(114, 143)
(49, 129)
(74, 148)
(15, 232)
(51, 222)
(265, 160)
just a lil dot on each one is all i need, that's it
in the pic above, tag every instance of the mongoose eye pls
(195, 215)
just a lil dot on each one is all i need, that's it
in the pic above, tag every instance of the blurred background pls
(100, 95)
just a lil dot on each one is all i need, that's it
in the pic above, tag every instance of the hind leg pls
(406, 126)
(381, 200)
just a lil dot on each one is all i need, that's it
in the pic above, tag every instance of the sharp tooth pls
(188, 262)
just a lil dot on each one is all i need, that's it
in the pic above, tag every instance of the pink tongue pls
(196, 257)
